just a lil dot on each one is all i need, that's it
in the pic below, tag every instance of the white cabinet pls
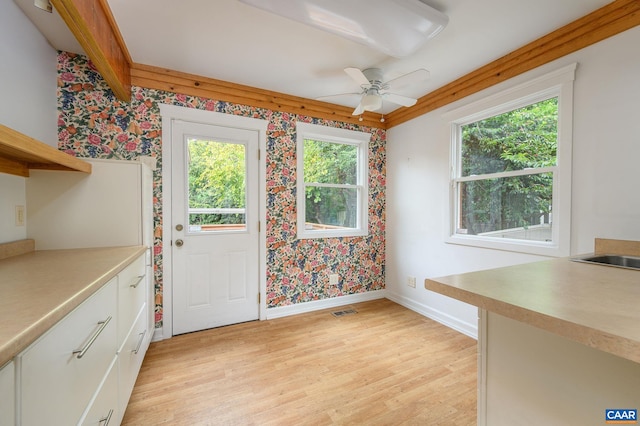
(7, 395)
(132, 294)
(130, 360)
(113, 206)
(532, 376)
(61, 371)
(133, 327)
(82, 371)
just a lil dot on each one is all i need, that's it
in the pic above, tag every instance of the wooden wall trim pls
(605, 22)
(92, 23)
(178, 82)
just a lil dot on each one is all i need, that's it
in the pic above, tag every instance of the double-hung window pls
(332, 176)
(511, 168)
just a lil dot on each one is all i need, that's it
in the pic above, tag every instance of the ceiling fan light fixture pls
(44, 5)
(371, 101)
(395, 27)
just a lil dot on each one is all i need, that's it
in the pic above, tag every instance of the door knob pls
(179, 243)
(178, 227)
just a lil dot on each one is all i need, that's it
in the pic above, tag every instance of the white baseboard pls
(301, 308)
(469, 329)
(463, 327)
(157, 335)
(316, 305)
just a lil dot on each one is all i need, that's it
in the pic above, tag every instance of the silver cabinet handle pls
(80, 352)
(135, 351)
(107, 419)
(134, 285)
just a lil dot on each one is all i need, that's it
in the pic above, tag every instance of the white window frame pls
(555, 84)
(342, 136)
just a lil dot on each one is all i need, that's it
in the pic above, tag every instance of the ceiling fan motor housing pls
(375, 77)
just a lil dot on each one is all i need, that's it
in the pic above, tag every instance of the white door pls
(215, 236)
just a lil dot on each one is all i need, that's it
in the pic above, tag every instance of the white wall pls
(606, 174)
(28, 76)
(27, 100)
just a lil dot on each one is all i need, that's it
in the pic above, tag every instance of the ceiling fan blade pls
(338, 95)
(400, 100)
(359, 109)
(411, 78)
(357, 76)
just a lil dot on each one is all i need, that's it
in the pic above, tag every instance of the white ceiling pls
(228, 40)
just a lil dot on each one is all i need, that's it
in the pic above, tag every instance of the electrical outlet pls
(333, 279)
(411, 282)
(19, 215)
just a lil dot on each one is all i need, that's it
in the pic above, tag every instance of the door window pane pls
(217, 185)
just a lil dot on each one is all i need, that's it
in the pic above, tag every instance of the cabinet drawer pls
(57, 385)
(103, 410)
(7, 395)
(132, 292)
(130, 359)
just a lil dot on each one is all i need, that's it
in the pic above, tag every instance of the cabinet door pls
(103, 410)
(151, 303)
(147, 240)
(132, 292)
(57, 385)
(130, 359)
(7, 395)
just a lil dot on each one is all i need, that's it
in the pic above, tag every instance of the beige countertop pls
(598, 306)
(38, 289)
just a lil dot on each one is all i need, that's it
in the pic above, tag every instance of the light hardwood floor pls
(384, 365)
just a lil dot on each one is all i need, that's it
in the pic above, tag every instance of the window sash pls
(558, 84)
(509, 222)
(511, 173)
(306, 131)
(333, 185)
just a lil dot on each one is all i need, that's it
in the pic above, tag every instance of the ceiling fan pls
(375, 89)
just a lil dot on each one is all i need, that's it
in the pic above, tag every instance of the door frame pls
(169, 113)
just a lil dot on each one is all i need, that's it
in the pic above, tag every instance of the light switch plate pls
(19, 215)
(411, 282)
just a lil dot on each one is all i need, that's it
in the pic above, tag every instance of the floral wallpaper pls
(93, 123)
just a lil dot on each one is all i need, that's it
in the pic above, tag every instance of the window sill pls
(505, 244)
(331, 234)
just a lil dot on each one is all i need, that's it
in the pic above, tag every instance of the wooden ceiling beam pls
(605, 22)
(93, 25)
(178, 82)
